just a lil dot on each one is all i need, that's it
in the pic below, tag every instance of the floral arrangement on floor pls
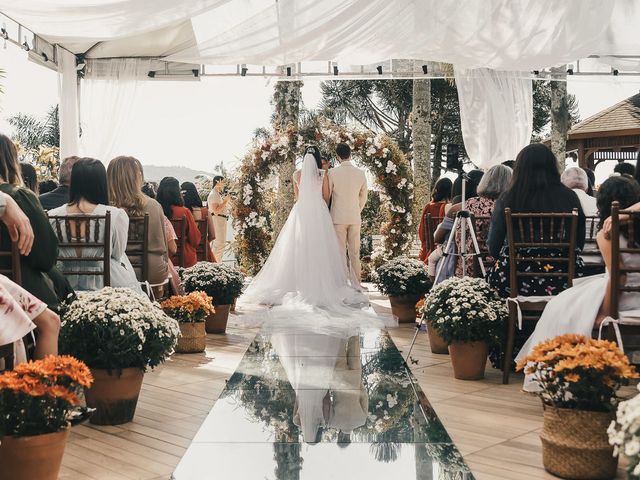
(577, 372)
(624, 434)
(39, 397)
(223, 283)
(377, 152)
(402, 276)
(116, 328)
(465, 310)
(191, 308)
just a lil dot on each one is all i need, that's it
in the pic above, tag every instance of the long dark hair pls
(535, 173)
(89, 182)
(190, 195)
(442, 190)
(621, 189)
(315, 151)
(169, 195)
(471, 184)
(29, 176)
(9, 167)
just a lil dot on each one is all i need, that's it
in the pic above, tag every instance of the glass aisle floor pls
(313, 406)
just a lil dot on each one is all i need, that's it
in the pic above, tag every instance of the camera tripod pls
(462, 222)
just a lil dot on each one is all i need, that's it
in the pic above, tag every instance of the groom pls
(348, 187)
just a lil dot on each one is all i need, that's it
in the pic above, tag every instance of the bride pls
(307, 267)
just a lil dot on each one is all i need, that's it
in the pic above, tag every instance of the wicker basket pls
(575, 444)
(193, 338)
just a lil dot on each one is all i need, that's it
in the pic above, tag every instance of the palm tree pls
(32, 132)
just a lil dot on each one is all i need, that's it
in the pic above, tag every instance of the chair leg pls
(509, 342)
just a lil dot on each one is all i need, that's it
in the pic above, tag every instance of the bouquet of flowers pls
(115, 328)
(402, 276)
(624, 434)
(465, 310)
(40, 397)
(223, 283)
(191, 308)
(574, 371)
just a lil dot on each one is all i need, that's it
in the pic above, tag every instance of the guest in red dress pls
(440, 198)
(170, 198)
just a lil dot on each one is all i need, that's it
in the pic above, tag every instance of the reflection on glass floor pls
(315, 406)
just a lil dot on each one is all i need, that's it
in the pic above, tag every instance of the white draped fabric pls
(108, 100)
(496, 114)
(68, 106)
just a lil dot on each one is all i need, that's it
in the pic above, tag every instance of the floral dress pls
(479, 207)
(18, 308)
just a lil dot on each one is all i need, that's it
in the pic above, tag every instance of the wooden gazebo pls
(612, 134)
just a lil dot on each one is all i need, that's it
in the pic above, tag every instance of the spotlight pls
(196, 72)
(425, 69)
(288, 71)
(80, 66)
(615, 72)
(335, 70)
(570, 70)
(536, 73)
(379, 69)
(25, 46)
(151, 74)
(44, 56)
(4, 33)
(243, 71)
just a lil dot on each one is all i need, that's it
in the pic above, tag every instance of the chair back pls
(180, 226)
(555, 231)
(138, 246)
(82, 232)
(591, 224)
(620, 271)
(10, 260)
(430, 228)
(201, 249)
(6, 354)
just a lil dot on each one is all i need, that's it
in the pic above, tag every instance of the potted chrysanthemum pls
(190, 311)
(405, 281)
(118, 334)
(624, 435)
(578, 378)
(223, 283)
(468, 314)
(37, 402)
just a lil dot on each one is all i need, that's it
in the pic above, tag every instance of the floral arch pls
(376, 152)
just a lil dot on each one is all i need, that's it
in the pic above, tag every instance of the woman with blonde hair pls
(125, 179)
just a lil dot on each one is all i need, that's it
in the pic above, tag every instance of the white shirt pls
(588, 203)
(215, 199)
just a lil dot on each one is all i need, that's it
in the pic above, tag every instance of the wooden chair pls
(624, 327)
(535, 230)
(10, 261)
(6, 354)
(180, 226)
(82, 239)
(138, 246)
(430, 228)
(202, 248)
(591, 256)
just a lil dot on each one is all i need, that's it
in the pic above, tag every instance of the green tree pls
(542, 109)
(31, 132)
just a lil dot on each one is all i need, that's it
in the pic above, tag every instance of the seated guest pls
(125, 179)
(509, 163)
(193, 202)
(88, 195)
(47, 186)
(440, 198)
(170, 198)
(579, 309)
(591, 175)
(172, 247)
(149, 189)
(577, 180)
(29, 176)
(40, 277)
(471, 186)
(625, 168)
(60, 196)
(493, 184)
(535, 188)
(21, 313)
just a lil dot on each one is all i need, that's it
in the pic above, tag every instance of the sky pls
(200, 124)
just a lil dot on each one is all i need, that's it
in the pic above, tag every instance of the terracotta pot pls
(217, 322)
(575, 444)
(192, 339)
(34, 457)
(436, 342)
(468, 359)
(233, 305)
(403, 307)
(114, 396)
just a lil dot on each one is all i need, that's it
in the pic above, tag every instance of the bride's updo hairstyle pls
(315, 151)
(621, 189)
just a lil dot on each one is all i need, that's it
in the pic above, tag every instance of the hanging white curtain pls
(108, 98)
(496, 114)
(68, 106)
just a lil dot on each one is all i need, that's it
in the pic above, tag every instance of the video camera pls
(454, 162)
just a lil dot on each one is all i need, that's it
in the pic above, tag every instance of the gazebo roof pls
(617, 120)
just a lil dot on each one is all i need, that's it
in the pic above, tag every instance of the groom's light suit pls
(348, 186)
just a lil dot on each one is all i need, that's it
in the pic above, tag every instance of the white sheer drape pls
(68, 104)
(496, 114)
(108, 98)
